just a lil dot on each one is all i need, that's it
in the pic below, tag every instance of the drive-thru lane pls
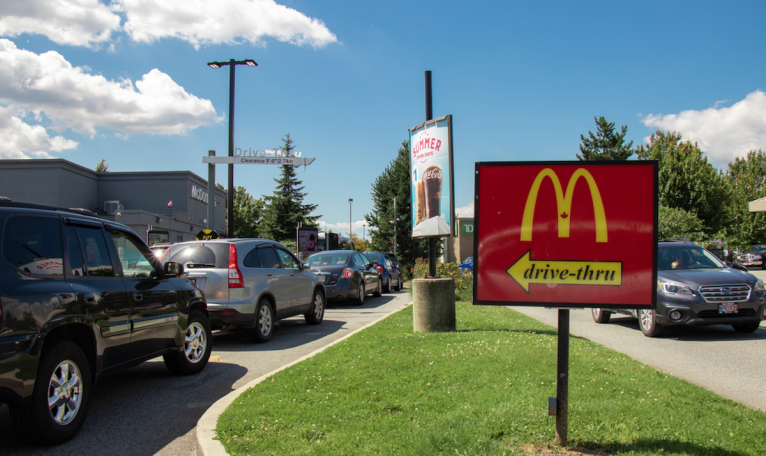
(715, 357)
(147, 410)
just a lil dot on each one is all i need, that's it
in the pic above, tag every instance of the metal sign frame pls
(544, 174)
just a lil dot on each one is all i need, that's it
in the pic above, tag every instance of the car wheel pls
(600, 315)
(647, 320)
(379, 290)
(361, 294)
(316, 315)
(387, 286)
(196, 350)
(264, 322)
(747, 327)
(60, 397)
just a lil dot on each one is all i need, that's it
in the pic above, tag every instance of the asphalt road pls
(147, 410)
(717, 358)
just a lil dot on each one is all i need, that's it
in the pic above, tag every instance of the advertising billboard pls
(566, 234)
(432, 186)
(308, 241)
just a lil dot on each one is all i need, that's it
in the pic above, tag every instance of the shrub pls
(463, 282)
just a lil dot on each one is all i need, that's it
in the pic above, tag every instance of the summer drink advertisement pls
(431, 178)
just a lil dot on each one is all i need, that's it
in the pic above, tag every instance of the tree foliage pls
(285, 208)
(102, 167)
(606, 144)
(248, 212)
(746, 178)
(686, 180)
(677, 223)
(394, 181)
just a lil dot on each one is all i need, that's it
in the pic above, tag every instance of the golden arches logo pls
(564, 204)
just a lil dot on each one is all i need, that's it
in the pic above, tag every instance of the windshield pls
(686, 257)
(327, 259)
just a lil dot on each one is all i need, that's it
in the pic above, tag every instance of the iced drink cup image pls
(432, 183)
(421, 203)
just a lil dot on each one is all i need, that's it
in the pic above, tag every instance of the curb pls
(207, 444)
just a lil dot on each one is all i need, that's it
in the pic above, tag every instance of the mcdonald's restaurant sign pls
(566, 234)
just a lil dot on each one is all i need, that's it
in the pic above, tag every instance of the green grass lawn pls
(481, 390)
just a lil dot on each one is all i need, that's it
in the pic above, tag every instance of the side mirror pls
(305, 266)
(739, 266)
(174, 269)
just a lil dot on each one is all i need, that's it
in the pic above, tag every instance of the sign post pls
(566, 235)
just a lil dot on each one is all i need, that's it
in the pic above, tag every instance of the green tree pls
(746, 179)
(686, 180)
(102, 167)
(394, 181)
(285, 208)
(605, 144)
(248, 212)
(677, 223)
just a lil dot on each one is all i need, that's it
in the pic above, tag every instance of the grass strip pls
(480, 390)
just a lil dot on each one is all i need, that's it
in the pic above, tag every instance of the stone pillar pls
(433, 305)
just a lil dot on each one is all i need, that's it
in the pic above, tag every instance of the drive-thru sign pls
(566, 234)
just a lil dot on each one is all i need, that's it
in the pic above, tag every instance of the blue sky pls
(127, 81)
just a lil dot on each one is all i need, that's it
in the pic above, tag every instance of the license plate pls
(727, 308)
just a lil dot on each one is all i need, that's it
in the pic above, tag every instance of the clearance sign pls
(566, 234)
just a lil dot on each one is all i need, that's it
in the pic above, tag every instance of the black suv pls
(695, 288)
(81, 298)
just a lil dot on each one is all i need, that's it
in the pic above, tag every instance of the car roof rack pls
(688, 241)
(6, 202)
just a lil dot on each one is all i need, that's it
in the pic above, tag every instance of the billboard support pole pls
(431, 241)
(210, 192)
(562, 379)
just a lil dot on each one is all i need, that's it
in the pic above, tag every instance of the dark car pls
(250, 283)
(346, 274)
(696, 288)
(392, 278)
(394, 260)
(81, 298)
(467, 265)
(754, 256)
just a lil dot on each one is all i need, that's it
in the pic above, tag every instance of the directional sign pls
(566, 234)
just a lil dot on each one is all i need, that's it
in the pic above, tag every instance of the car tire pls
(62, 363)
(647, 320)
(264, 322)
(316, 315)
(747, 327)
(398, 284)
(198, 344)
(387, 287)
(361, 294)
(379, 290)
(600, 315)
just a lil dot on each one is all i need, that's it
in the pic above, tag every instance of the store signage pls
(198, 194)
(573, 234)
(432, 183)
(466, 228)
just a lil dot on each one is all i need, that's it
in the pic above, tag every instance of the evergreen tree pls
(746, 178)
(285, 208)
(686, 180)
(605, 144)
(102, 167)
(395, 182)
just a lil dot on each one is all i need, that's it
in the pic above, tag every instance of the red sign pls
(566, 234)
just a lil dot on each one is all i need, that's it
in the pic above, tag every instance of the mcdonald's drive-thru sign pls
(566, 234)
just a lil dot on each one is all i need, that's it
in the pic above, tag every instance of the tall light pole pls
(350, 200)
(231, 63)
(393, 222)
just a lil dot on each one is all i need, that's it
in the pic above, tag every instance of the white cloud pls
(72, 22)
(342, 227)
(17, 136)
(465, 211)
(724, 133)
(74, 99)
(211, 22)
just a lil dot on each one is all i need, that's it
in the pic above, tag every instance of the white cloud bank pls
(18, 136)
(465, 211)
(72, 98)
(91, 22)
(722, 133)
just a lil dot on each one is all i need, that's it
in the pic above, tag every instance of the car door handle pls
(268, 274)
(138, 296)
(88, 297)
(292, 275)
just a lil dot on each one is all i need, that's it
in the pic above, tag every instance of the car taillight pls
(379, 269)
(347, 273)
(235, 276)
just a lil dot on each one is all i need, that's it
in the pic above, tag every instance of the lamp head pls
(214, 65)
(251, 63)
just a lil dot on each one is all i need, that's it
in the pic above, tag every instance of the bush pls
(463, 282)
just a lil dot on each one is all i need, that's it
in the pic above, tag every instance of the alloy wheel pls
(65, 392)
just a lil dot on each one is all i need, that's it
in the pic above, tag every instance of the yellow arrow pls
(526, 271)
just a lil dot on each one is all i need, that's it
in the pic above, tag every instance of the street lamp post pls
(350, 200)
(393, 222)
(231, 63)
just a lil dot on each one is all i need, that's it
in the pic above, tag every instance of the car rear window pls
(327, 259)
(375, 257)
(33, 244)
(199, 255)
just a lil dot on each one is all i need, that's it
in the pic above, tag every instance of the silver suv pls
(250, 283)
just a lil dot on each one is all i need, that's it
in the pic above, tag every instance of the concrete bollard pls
(433, 305)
